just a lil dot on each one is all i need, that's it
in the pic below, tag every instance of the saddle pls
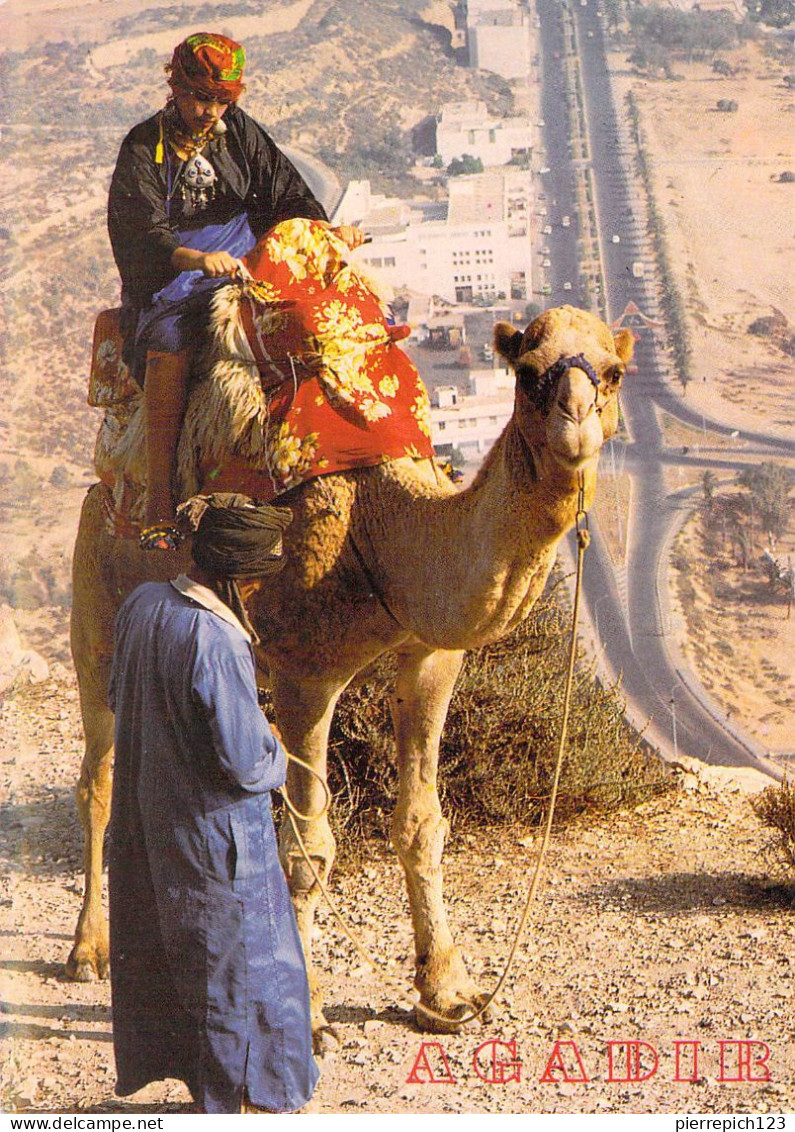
(301, 376)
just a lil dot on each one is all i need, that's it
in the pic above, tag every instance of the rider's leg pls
(165, 394)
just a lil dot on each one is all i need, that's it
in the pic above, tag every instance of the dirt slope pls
(657, 925)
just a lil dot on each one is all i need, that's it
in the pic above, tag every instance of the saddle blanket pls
(334, 390)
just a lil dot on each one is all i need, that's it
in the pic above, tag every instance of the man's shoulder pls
(144, 133)
(149, 593)
(246, 125)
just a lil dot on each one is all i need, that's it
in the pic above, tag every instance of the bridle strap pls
(577, 361)
(550, 377)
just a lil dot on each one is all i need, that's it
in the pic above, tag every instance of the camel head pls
(565, 410)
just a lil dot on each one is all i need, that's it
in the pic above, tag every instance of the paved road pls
(628, 608)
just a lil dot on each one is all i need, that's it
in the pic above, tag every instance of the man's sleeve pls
(279, 190)
(140, 230)
(224, 685)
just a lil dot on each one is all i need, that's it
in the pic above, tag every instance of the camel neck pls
(460, 569)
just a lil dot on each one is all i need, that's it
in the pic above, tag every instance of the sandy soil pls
(656, 925)
(735, 634)
(729, 225)
(29, 21)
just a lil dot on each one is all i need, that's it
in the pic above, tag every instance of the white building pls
(474, 246)
(466, 128)
(498, 37)
(472, 421)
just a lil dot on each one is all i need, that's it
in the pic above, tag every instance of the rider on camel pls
(194, 188)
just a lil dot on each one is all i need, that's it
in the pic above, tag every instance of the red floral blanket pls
(340, 393)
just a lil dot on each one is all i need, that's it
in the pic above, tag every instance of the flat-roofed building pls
(475, 246)
(498, 37)
(471, 421)
(466, 128)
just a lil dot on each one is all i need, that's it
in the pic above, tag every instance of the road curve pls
(627, 608)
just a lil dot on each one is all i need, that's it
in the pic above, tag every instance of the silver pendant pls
(198, 180)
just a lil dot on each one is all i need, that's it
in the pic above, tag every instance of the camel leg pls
(304, 711)
(89, 957)
(425, 684)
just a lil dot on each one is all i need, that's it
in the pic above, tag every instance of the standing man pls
(207, 972)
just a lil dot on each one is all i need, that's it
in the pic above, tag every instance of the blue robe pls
(207, 971)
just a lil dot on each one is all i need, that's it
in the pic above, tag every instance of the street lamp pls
(673, 720)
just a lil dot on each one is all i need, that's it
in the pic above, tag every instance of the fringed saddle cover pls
(303, 378)
(110, 382)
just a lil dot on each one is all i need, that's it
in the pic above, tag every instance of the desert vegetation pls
(500, 742)
(775, 807)
(734, 580)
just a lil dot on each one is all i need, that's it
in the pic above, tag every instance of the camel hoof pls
(325, 1039)
(80, 969)
(431, 1020)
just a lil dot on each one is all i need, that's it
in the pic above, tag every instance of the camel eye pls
(614, 374)
(526, 373)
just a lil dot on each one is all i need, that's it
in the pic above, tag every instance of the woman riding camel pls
(194, 188)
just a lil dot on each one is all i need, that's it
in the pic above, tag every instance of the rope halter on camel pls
(550, 377)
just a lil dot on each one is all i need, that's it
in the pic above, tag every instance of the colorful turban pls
(208, 64)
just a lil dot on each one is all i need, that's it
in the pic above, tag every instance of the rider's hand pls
(216, 264)
(351, 235)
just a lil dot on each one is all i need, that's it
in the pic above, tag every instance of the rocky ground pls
(659, 925)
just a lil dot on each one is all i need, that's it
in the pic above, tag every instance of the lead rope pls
(583, 540)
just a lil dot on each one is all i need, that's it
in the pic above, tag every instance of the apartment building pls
(471, 421)
(498, 37)
(466, 128)
(473, 247)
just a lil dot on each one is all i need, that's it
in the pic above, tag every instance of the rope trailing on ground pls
(583, 540)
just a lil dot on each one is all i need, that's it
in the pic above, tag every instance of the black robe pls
(254, 177)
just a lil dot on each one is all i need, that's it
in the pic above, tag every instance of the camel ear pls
(507, 341)
(625, 343)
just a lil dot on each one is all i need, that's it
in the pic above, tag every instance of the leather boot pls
(165, 395)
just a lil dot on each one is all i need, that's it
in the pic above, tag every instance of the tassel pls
(159, 151)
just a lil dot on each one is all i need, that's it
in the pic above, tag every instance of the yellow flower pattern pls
(421, 411)
(351, 396)
(290, 456)
(388, 386)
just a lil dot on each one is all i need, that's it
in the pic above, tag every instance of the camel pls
(385, 558)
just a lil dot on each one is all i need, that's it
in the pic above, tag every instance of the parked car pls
(616, 239)
(547, 229)
(546, 262)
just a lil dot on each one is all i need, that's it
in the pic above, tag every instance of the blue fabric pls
(207, 971)
(178, 312)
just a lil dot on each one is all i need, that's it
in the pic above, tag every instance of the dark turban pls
(208, 64)
(234, 538)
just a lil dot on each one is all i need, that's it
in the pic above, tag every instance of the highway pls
(628, 607)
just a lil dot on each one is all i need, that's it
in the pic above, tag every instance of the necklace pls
(195, 179)
(188, 145)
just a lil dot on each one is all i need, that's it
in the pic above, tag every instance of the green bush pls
(500, 741)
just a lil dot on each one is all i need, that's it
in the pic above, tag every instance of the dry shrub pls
(501, 738)
(775, 808)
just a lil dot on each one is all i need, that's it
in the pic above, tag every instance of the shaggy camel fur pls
(384, 558)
